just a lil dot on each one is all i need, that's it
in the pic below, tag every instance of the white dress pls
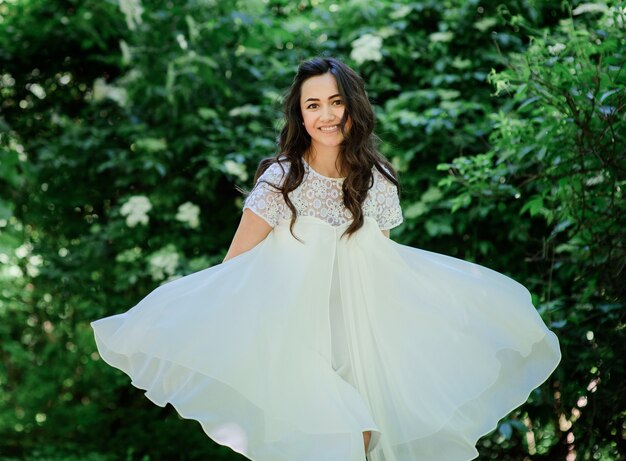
(289, 351)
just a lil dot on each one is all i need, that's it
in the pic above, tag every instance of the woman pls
(318, 337)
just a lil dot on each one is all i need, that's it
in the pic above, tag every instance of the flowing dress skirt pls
(289, 351)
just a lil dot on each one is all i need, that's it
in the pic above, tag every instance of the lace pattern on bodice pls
(322, 197)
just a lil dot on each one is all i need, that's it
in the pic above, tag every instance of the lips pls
(329, 129)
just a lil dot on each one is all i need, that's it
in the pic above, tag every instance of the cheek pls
(340, 113)
(309, 122)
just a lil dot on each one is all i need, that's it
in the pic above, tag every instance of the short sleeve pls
(389, 212)
(265, 200)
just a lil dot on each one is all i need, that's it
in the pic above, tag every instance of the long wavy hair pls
(358, 151)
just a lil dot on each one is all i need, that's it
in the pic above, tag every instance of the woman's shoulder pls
(273, 168)
(382, 179)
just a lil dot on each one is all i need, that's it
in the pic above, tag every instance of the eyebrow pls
(317, 99)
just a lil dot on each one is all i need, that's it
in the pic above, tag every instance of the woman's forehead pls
(319, 87)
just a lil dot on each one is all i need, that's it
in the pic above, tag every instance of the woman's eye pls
(336, 102)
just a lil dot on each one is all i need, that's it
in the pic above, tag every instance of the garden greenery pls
(126, 126)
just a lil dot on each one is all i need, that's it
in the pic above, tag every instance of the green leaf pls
(151, 145)
(533, 206)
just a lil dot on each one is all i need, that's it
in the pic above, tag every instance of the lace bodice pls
(322, 197)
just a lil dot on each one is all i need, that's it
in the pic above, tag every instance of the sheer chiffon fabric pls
(289, 351)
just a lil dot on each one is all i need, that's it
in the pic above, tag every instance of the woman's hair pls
(357, 152)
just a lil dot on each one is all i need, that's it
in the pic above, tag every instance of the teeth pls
(328, 128)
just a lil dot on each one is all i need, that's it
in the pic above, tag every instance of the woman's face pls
(322, 109)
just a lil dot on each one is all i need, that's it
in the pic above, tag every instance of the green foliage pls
(558, 158)
(124, 132)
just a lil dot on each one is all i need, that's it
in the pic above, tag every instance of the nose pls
(327, 113)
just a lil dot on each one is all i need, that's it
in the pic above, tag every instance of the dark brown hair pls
(357, 153)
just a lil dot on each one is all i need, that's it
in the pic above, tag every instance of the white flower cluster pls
(236, 169)
(37, 90)
(101, 91)
(136, 210)
(367, 48)
(137, 207)
(189, 213)
(32, 267)
(163, 262)
(10, 270)
(132, 10)
(590, 8)
(556, 48)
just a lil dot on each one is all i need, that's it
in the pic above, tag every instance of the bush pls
(125, 128)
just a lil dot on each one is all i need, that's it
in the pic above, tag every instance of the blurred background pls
(125, 127)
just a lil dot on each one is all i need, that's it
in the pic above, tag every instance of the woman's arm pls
(252, 229)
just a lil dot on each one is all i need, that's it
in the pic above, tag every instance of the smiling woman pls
(318, 338)
(329, 127)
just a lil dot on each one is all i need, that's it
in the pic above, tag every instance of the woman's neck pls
(324, 161)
